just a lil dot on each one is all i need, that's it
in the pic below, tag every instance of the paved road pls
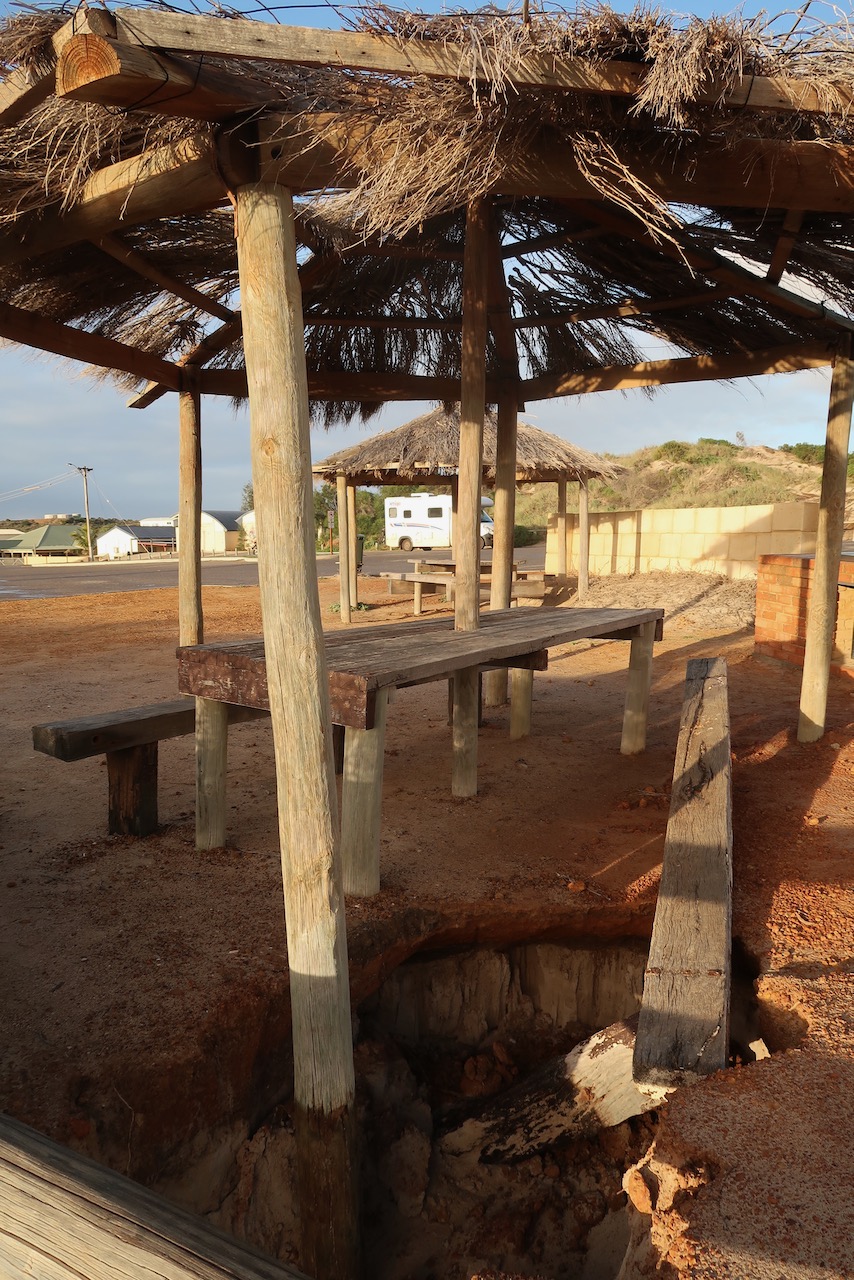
(23, 582)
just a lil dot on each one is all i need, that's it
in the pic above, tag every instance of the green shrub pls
(526, 535)
(672, 451)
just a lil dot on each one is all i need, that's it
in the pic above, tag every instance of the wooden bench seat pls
(129, 741)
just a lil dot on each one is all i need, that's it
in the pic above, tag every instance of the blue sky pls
(53, 416)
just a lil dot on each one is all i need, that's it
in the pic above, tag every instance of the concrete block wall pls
(782, 597)
(725, 540)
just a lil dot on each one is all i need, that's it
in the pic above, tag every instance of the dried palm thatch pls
(433, 146)
(427, 449)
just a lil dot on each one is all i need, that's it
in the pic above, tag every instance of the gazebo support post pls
(467, 531)
(361, 803)
(821, 615)
(504, 515)
(211, 717)
(583, 539)
(343, 547)
(561, 529)
(351, 535)
(302, 733)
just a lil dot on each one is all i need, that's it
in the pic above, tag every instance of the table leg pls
(521, 700)
(464, 765)
(361, 803)
(637, 694)
(211, 757)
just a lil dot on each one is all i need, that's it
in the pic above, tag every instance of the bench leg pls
(338, 748)
(495, 688)
(361, 804)
(466, 716)
(132, 784)
(211, 756)
(521, 702)
(637, 694)
(419, 588)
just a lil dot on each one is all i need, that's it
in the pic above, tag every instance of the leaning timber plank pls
(95, 735)
(683, 1028)
(64, 1216)
(566, 1098)
(241, 38)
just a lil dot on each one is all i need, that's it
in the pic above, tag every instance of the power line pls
(11, 494)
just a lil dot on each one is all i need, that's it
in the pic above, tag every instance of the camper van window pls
(407, 515)
(392, 511)
(434, 513)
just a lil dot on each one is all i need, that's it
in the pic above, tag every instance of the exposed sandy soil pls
(145, 985)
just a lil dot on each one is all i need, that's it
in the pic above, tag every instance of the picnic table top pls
(363, 659)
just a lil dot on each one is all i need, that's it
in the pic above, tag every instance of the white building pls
(247, 524)
(161, 522)
(125, 540)
(220, 532)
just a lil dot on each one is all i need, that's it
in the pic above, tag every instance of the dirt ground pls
(145, 1000)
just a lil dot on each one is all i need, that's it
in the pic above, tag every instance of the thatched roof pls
(657, 237)
(427, 450)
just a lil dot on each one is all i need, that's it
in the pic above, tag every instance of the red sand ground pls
(145, 991)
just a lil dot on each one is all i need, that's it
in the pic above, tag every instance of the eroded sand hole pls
(443, 1038)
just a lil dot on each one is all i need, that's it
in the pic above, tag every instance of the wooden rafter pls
(242, 38)
(195, 358)
(714, 265)
(662, 373)
(784, 246)
(624, 310)
(541, 244)
(18, 325)
(143, 266)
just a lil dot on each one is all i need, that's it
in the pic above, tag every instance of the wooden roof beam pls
(542, 244)
(243, 38)
(365, 387)
(93, 68)
(20, 92)
(710, 263)
(308, 153)
(180, 177)
(784, 246)
(624, 310)
(143, 266)
(32, 330)
(664, 373)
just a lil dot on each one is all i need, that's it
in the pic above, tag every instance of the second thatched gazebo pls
(426, 450)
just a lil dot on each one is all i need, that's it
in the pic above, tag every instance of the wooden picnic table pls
(365, 662)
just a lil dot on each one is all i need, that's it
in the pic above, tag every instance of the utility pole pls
(84, 471)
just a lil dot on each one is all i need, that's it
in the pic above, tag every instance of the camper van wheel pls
(482, 543)
(405, 544)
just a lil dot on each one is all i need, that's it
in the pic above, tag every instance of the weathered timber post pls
(343, 547)
(211, 717)
(467, 523)
(583, 539)
(561, 529)
(361, 803)
(504, 513)
(353, 544)
(302, 733)
(190, 624)
(821, 610)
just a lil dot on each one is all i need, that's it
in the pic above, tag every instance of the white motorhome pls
(424, 520)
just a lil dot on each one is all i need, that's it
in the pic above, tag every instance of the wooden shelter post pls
(343, 547)
(821, 616)
(353, 544)
(583, 538)
(467, 535)
(504, 516)
(324, 1087)
(211, 717)
(561, 528)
